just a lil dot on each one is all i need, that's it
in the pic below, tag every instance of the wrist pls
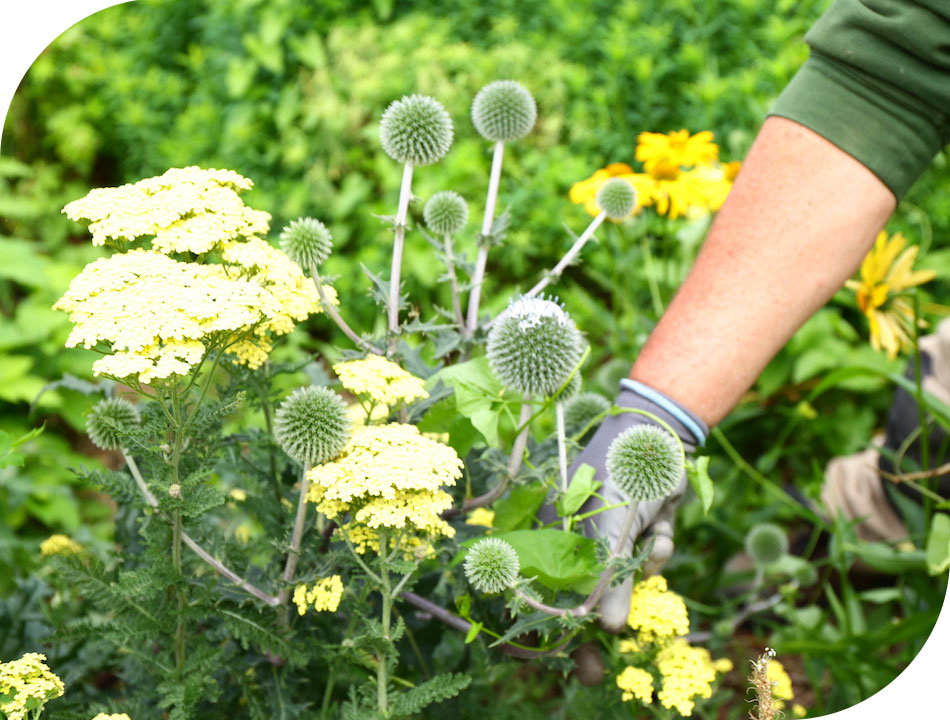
(687, 425)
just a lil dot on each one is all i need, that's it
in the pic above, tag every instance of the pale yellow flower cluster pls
(687, 673)
(323, 596)
(159, 315)
(655, 612)
(113, 716)
(59, 545)
(636, 683)
(380, 380)
(183, 210)
(482, 517)
(388, 476)
(30, 684)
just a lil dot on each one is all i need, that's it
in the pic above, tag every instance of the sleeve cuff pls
(883, 128)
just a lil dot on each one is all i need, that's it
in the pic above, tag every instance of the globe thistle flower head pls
(645, 462)
(617, 198)
(446, 213)
(311, 425)
(492, 565)
(110, 421)
(307, 242)
(583, 408)
(766, 543)
(416, 130)
(504, 110)
(533, 346)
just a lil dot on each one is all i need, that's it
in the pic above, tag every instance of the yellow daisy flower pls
(678, 148)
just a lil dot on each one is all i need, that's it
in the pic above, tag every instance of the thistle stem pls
(450, 266)
(481, 260)
(330, 309)
(604, 582)
(562, 454)
(568, 258)
(296, 538)
(401, 214)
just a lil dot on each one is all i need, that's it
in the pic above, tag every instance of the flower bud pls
(416, 130)
(766, 543)
(307, 242)
(311, 425)
(617, 198)
(645, 462)
(583, 408)
(110, 421)
(446, 213)
(504, 110)
(492, 565)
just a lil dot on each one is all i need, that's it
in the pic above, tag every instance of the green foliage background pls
(289, 93)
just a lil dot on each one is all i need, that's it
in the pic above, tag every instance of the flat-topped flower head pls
(110, 422)
(617, 198)
(504, 110)
(59, 545)
(307, 242)
(766, 543)
(492, 565)
(416, 130)
(533, 346)
(446, 213)
(113, 716)
(583, 408)
(645, 462)
(323, 596)
(380, 380)
(26, 685)
(311, 425)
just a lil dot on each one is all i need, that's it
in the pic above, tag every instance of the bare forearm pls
(800, 218)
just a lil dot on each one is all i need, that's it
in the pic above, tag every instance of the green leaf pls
(938, 544)
(478, 396)
(582, 486)
(473, 632)
(885, 559)
(698, 474)
(517, 511)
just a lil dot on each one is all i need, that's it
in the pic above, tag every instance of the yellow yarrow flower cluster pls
(388, 476)
(687, 673)
(30, 684)
(59, 545)
(682, 174)
(380, 380)
(482, 517)
(158, 314)
(887, 271)
(636, 683)
(323, 596)
(656, 613)
(113, 716)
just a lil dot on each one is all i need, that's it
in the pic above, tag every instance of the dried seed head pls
(446, 213)
(504, 110)
(416, 130)
(645, 462)
(492, 565)
(766, 543)
(110, 422)
(307, 242)
(311, 425)
(617, 198)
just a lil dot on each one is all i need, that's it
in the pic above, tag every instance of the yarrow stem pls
(562, 453)
(222, 569)
(450, 266)
(481, 260)
(335, 316)
(296, 538)
(387, 604)
(401, 214)
(568, 258)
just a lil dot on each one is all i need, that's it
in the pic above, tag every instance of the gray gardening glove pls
(658, 517)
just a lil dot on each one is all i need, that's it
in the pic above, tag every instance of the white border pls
(28, 26)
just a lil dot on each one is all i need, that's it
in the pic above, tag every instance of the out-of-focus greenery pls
(289, 93)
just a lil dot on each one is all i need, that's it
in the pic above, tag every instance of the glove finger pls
(661, 551)
(614, 607)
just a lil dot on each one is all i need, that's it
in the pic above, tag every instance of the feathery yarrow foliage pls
(110, 421)
(533, 346)
(504, 110)
(323, 596)
(311, 425)
(766, 543)
(416, 130)
(26, 685)
(59, 545)
(307, 242)
(157, 315)
(492, 565)
(583, 408)
(388, 476)
(645, 462)
(380, 380)
(617, 198)
(445, 213)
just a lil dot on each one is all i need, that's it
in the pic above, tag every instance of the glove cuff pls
(687, 425)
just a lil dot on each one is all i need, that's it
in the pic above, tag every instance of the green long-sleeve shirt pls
(877, 84)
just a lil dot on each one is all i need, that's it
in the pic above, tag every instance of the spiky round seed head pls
(504, 110)
(805, 574)
(307, 242)
(617, 198)
(445, 213)
(582, 409)
(110, 421)
(533, 346)
(766, 543)
(311, 425)
(416, 130)
(492, 565)
(645, 462)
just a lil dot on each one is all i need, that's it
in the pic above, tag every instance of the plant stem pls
(604, 582)
(568, 258)
(651, 275)
(921, 410)
(296, 538)
(481, 260)
(562, 454)
(398, 241)
(330, 309)
(450, 266)
(387, 604)
(176, 533)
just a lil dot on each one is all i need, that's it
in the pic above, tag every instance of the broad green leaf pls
(938, 544)
(517, 510)
(478, 396)
(697, 472)
(560, 560)
(582, 486)
(885, 559)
